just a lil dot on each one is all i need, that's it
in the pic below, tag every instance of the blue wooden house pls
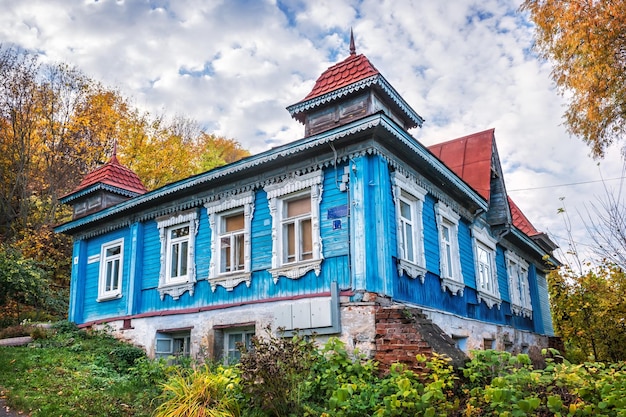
(356, 230)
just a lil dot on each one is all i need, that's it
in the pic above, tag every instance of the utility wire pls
(565, 185)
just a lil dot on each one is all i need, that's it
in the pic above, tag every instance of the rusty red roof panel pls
(114, 174)
(521, 221)
(469, 157)
(352, 69)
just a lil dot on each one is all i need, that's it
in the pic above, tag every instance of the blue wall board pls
(261, 237)
(334, 207)
(466, 252)
(203, 246)
(503, 276)
(429, 294)
(151, 255)
(382, 215)
(544, 302)
(535, 299)
(431, 235)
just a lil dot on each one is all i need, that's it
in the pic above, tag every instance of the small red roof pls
(114, 174)
(521, 221)
(352, 69)
(469, 157)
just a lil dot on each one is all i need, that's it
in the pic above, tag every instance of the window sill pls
(230, 281)
(296, 270)
(109, 297)
(175, 290)
(411, 269)
(489, 299)
(454, 286)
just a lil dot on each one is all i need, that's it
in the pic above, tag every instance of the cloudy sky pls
(234, 65)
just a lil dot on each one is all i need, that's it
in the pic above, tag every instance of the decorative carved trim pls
(295, 271)
(454, 286)
(522, 311)
(489, 299)
(230, 281)
(410, 269)
(312, 181)
(176, 290)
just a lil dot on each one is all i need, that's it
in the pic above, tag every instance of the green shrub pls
(275, 373)
(124, 356)
(204, 392)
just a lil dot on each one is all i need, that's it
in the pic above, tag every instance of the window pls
(296, 229)
(449, 257)
(409, 199)
(172, 343)
(489, 344)
(460, 342)
(519, 289)
(233, 340)
(111, 267)
(294, 207)
(230, 219)
(485, 263)
(178, 234)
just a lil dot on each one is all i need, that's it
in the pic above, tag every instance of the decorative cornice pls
(295, 271)
(97, 187)
(374, 80)
(230, 281)
(411, 270)
(454, 286)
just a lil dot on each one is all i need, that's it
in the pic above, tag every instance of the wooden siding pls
(431, 235)
(544, 304)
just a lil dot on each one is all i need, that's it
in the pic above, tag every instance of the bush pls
(202, 393)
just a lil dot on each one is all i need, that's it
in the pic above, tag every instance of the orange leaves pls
(586, 42)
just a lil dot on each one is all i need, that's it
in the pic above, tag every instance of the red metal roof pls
(521, 221)
(114, 174)
(352, 69)
(469, 157)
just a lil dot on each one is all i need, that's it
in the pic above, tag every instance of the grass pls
(69, 372)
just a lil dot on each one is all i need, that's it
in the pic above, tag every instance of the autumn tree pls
(18, 123)
(586, 42)
(589, 312)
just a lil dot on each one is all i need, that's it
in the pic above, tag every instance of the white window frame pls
(407, 191)
(231, 355)
(277, 195)
(225, 206)
(519, 286)
(177, 286)
(482, 241)
(103, 293)
(450, 271)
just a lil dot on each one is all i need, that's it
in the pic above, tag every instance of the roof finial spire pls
(114, 156)
(352, 47)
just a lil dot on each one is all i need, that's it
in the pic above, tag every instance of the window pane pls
(113, 251)
(225, 254)
(116, 275)
(306, 237)
(289, 242)
(299, 206)
(408, 239)
(183, 258)
(448, 259)
(238, 252)
(109, 274)
(174, 261)
(164, 346)
(405, 210)
(233, 223)
(180, 232)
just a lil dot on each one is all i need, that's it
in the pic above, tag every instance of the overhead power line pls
(565, 185)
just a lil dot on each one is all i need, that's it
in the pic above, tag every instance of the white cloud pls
(234, 65)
